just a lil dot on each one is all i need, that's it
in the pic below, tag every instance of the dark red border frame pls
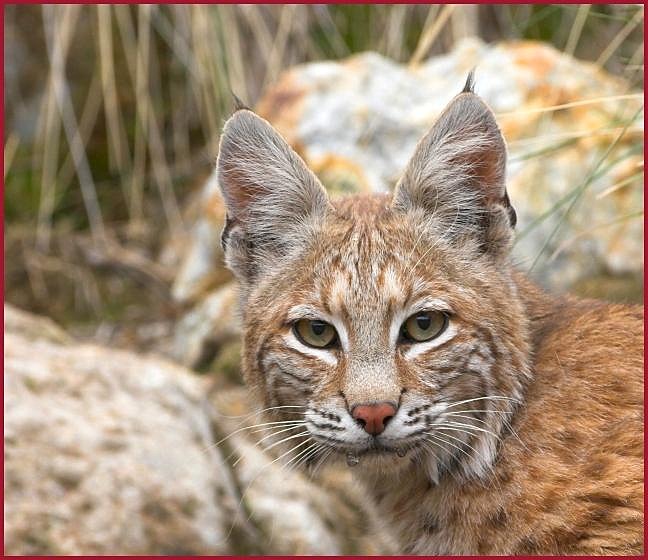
(275, 2)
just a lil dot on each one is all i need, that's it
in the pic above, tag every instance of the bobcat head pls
(381, 329)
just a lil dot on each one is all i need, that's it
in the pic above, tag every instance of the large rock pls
(356, 123)
(107, 452)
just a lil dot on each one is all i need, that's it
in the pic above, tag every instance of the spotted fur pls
(518, 429)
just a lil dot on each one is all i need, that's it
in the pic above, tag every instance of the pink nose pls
(373, 417)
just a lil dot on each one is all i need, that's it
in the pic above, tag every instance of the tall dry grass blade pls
(173, 36)
(128, 39)
(257, 23)
(219, 92)
(235, 51)
(194, 85)
(89, 115)
(50, 155)
(39, 132)
(66, 109)
(150, 133)
(574, 135)
(49, 132)
(180, 123)
(635, 66)
(430, 32)
(159, 165)
(624, 183)
(142, 107)
(620, 37)
(162, 176)
(130, 47)
(542, 152)
(303, 47)
(118, 148)
(621, 220)
(567, 198)
(221, 71)
(188, 88)
(147, 130)
(333, 36)
(577, 28)
(464, 22)
(47, 105)
(10, 149)
(578, 192)
(579, 103)
(194, 50)
(393, 43)
(204, 49)
(276, 55)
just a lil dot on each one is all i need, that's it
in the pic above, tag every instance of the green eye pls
(318, 334)
(424, 326)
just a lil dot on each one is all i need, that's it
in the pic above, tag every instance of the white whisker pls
(327, 451)
(485, 410)
(455, 415)
(244, 428)
(489, 398)
(305, 433)
(442, 440)
(258, 443)
(300, 457)
(256, 412)
(464, 443)
(462, 425)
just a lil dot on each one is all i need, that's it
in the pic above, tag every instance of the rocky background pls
(127, 429)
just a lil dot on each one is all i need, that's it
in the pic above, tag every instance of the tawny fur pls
(546, 457)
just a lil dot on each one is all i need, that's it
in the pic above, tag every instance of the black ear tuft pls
(226, 231)
(470, 83)
(238, 104)
(510, 210)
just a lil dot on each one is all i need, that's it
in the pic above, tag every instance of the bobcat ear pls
(270, 194)
(457, 175)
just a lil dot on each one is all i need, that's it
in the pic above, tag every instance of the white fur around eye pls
(321, 354)
(419, 348)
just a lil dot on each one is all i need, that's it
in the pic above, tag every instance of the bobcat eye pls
(318, 334)
(424, 325)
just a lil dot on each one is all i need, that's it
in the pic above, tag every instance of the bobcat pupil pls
(423, 321)
(318, 327)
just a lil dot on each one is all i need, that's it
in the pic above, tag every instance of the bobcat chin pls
(393, 333)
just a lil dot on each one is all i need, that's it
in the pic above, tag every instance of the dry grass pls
(113, 111)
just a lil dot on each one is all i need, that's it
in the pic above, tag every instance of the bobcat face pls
(386, 329)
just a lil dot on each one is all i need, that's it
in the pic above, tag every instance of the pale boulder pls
(107, 452)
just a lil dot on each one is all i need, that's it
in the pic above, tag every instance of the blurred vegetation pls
(112, 116)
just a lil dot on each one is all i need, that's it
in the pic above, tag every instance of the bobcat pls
(484, 415)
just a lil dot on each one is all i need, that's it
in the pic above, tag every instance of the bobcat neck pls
(551, 460)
